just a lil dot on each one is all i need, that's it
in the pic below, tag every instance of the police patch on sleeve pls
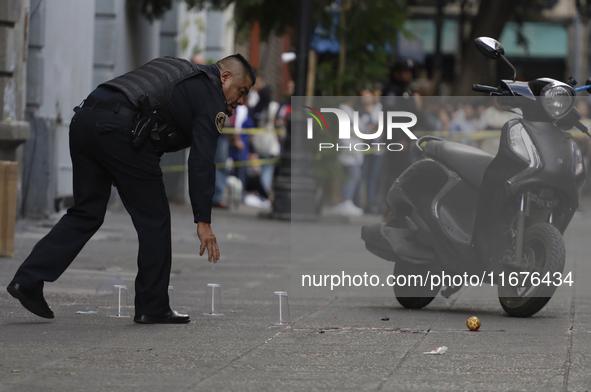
(219, 121)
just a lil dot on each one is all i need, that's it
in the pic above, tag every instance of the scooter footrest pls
(376, 243)
(404, 243)
(393, 244)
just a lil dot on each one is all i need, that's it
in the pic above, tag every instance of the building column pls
(14, 36)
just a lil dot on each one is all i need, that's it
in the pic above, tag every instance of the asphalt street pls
(337, 340)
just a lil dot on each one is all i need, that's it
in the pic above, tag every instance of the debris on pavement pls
(437, 351)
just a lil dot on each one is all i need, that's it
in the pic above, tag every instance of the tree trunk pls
(342, 49)
(311, 85)
(489, 22)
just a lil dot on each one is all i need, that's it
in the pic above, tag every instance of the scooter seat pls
(469, 162)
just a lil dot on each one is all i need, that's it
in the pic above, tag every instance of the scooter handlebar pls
(485, 89)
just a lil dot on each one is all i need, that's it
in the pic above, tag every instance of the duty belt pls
(110, 106)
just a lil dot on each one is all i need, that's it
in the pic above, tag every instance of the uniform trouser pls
(102, 154)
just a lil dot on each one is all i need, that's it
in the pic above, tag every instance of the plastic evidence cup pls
(280, 309)
(119, 303)
(213, 300)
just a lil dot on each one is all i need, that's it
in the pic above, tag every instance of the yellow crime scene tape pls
(251, 131)
(456, 136)
(480, 135)
(451, 136)
(222, 165)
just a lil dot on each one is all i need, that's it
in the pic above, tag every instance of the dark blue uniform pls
(102, 154)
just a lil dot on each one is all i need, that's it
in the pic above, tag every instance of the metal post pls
(438, 63)
(304, 30)
(293, 180)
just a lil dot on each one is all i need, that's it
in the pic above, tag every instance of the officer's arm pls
(202, 179)
(201, 165)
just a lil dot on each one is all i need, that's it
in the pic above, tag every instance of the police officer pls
(117, 137)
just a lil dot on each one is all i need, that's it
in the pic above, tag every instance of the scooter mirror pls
(489, 47)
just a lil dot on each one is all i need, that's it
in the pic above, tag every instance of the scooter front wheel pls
(543, 255)
(411, 288)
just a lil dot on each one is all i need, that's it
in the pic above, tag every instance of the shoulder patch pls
(220, 118)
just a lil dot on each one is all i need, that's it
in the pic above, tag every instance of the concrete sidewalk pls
(334, 343)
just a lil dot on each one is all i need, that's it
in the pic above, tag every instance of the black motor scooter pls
(462, 212)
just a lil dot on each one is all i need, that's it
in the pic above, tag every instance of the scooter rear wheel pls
(544, 245)
(412, 295)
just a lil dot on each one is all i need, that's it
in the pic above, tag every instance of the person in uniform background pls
(397, 95)
(188, 104)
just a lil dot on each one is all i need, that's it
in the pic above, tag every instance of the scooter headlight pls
(557, 99)
(522, 145)
(578, 166)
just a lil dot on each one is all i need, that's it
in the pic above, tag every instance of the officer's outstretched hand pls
(208, 240)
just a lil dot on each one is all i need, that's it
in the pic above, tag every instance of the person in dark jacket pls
(117, 137)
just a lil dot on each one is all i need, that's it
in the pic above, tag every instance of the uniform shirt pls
(198, 106)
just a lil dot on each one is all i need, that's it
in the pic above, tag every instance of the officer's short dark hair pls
(246, 67)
